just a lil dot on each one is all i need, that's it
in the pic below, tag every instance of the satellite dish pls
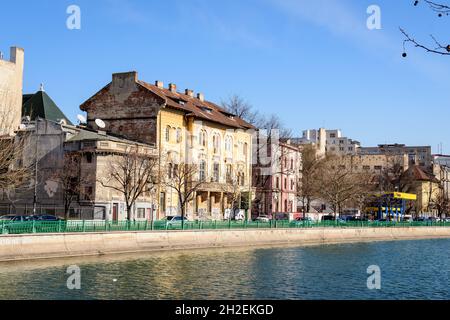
(81, 118)
(100, 123)
(63, 122)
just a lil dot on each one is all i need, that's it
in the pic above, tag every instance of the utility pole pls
(36, 132)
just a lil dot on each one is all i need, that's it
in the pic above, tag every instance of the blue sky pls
(312, 62)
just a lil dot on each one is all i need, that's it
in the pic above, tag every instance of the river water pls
(409, 270)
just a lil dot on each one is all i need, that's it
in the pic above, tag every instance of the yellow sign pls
(406, 196)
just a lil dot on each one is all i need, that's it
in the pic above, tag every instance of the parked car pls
(354, 218)
(13, 218)
(328, 218)
(306, 219)
(7, 217)
(174, 220)
(48, 218)
(263, 218)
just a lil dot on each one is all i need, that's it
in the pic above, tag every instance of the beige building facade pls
(186, 129)
(11, 85)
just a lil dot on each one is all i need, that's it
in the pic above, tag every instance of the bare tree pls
(233, 191)
(340, 184)
(13, 174)
(437, 47)
(309, 184)
(184, 179)
(236, 105)
(71, 181)
(132, 174)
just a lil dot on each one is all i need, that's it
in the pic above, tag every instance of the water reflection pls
(410, 270)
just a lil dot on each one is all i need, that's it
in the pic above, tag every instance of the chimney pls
(124, 80)
(16, 55)
(189, 93)
(200, 97)
(159, 84)
(173, 87)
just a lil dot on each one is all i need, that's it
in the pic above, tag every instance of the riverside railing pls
(71, 226)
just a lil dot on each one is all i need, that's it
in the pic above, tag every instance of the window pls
(179, 136)
(285, 183)
(332, 135)
(228, 144)
(88, 193)
(89, 157)
(292, 185)
(167, 134)
(170, 170)
(366, 167)
(202, 140)
(229, 173)
(341, 141)
(202, 170)
(242, 179)
(292, 164)
(277, 183)
(378, 167)
(216, 143)
(285, 205)
(175, 170)
(245, 151)
(216, 172)
(141, 213)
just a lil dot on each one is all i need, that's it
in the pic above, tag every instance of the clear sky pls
(312, 62)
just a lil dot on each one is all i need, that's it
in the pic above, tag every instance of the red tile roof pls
(421, 175)
(205, 110)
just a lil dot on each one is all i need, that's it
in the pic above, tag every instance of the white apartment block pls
(329, 141)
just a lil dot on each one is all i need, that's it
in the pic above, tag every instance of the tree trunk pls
(129, 212)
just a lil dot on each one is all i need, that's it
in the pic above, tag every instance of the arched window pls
(216, 143)
(245, 151)
(228, 144)
(168, 134)
(170, 170)
(179, 135)
(203, 139)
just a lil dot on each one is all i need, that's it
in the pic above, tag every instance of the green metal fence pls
(7, 227)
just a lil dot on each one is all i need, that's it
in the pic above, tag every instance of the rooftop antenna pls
(81, 119)
(100, 123)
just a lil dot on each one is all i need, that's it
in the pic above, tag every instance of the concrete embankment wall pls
(38, 246)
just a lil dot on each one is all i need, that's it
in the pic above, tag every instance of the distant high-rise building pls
(329, 141)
